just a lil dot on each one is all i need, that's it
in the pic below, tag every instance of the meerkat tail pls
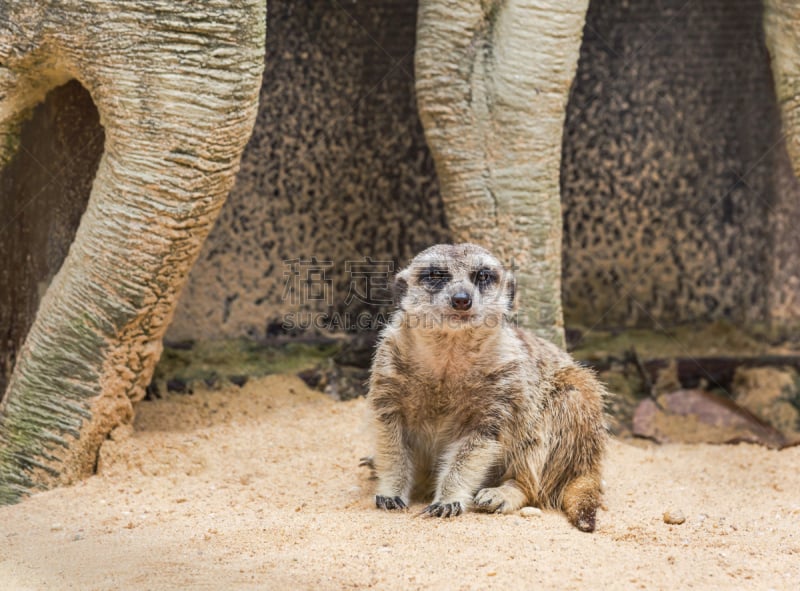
(580, 501)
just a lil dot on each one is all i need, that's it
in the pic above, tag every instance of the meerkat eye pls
(484, 277)
(434, 278)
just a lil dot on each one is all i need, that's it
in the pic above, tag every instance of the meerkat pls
(472, 412)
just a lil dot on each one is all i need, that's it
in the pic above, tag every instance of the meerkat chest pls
(448, 367)
(440, 401)
(450, 384)
(435, 420)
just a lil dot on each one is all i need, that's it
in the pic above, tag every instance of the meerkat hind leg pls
(506, 498)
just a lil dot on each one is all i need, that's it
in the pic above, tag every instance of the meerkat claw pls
(453, 509)
(389, 503)
(490, 507)
(486, 502)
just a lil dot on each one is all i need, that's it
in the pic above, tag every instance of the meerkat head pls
(454, 286)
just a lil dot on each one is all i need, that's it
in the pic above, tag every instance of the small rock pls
(152, 392)
(56, 527)
(312, 377)
(179, 386)
(770, 393)
(530, 512)
(238, 380)
(674, 517)
(697, 416)
(667, 379)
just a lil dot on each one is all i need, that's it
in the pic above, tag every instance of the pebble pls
(674, 517)
(530, 512)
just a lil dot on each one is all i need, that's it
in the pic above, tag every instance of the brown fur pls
(472, 412)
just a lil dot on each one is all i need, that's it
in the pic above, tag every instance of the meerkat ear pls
(399, 288)
(511, 290)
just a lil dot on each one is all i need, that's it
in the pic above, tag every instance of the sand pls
(258, 488)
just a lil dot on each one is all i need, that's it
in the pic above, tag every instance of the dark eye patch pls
(483, 278)
(434, 278)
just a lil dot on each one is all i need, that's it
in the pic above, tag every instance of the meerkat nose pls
(461, 301)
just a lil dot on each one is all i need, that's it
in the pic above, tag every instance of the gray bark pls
(44, 190)
(782, 35)
(782, 31)
(176, 85)
(492, 85)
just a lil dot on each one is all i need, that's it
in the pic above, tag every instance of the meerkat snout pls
(461, 301)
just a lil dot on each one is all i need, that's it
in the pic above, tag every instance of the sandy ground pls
(258, 488)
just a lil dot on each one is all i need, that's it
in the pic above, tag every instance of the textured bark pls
(44, 190)
(492, 85)
(782, 29)
(176, 86)
(782, 33)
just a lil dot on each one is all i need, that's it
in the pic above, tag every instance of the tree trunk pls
(492, 85)
(782, 35)
(40, 213)
(782, 29)
(176, 85)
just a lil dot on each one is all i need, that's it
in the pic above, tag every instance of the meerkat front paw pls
(453, 509)
(389, 503)
(503, 499)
